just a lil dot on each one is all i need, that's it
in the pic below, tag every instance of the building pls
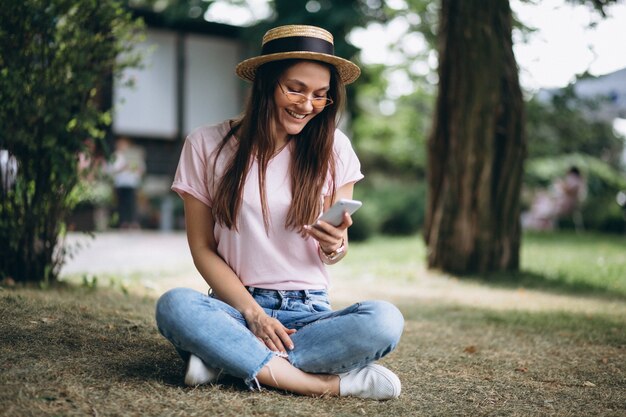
(608, 89)
(609, 92)
(187, 79)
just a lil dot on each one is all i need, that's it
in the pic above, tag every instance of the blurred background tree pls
(477, 146)
(56, 56)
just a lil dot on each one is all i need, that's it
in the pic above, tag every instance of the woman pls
(252, 190)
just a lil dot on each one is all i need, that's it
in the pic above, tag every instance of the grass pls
(580, 263)
(470, 347)
(565, 262)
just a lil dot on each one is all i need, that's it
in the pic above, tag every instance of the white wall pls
(211, 86)
(149, 108)
(611, 85)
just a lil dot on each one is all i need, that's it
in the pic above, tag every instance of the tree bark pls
(477, 146)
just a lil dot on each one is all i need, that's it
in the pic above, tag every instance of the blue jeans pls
(326, 341)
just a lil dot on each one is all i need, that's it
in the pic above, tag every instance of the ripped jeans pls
(326, 341)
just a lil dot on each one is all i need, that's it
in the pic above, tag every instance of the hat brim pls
(348, 71)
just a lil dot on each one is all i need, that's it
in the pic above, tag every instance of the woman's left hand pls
(330, 238)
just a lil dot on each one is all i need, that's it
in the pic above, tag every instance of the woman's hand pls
(270, 331)
(330, 238)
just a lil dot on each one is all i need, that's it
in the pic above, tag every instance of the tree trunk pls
(477, 146)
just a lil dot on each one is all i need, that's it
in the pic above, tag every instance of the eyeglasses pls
(299, 98)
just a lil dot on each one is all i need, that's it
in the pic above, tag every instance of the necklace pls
(280, 149)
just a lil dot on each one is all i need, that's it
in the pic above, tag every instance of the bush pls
(56, 56)
(390, 206)
(404, 210)
(365, 222)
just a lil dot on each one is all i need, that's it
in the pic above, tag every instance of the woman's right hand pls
(270, 331)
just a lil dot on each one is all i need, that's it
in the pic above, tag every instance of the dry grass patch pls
(551, 342)
(478, 362)
(82, 352)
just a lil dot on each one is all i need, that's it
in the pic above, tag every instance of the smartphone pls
(334, 215)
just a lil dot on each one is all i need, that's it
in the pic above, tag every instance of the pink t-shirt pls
(281, 259)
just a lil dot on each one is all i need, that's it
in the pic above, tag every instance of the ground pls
(470, 346)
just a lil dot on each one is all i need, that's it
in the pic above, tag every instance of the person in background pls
(569, 192)
(253, 189)
(127, 168)
(561, 200)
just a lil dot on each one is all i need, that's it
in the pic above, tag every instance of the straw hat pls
(298, 42)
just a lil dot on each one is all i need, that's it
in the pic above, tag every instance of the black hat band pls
(297, 44)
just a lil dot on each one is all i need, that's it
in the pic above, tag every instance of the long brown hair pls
(313, 158)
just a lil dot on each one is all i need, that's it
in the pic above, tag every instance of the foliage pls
(564, 132)
(337, 17)
(542, 171)
(599, 5)
(395, 141)
(56, 56)
(395, 99)
(96, 193)
(566, 124)
(392, 206)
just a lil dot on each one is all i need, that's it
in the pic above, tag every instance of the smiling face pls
(308, 78)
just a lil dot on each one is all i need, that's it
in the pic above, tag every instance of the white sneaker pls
(372, 381)
(198, 373)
